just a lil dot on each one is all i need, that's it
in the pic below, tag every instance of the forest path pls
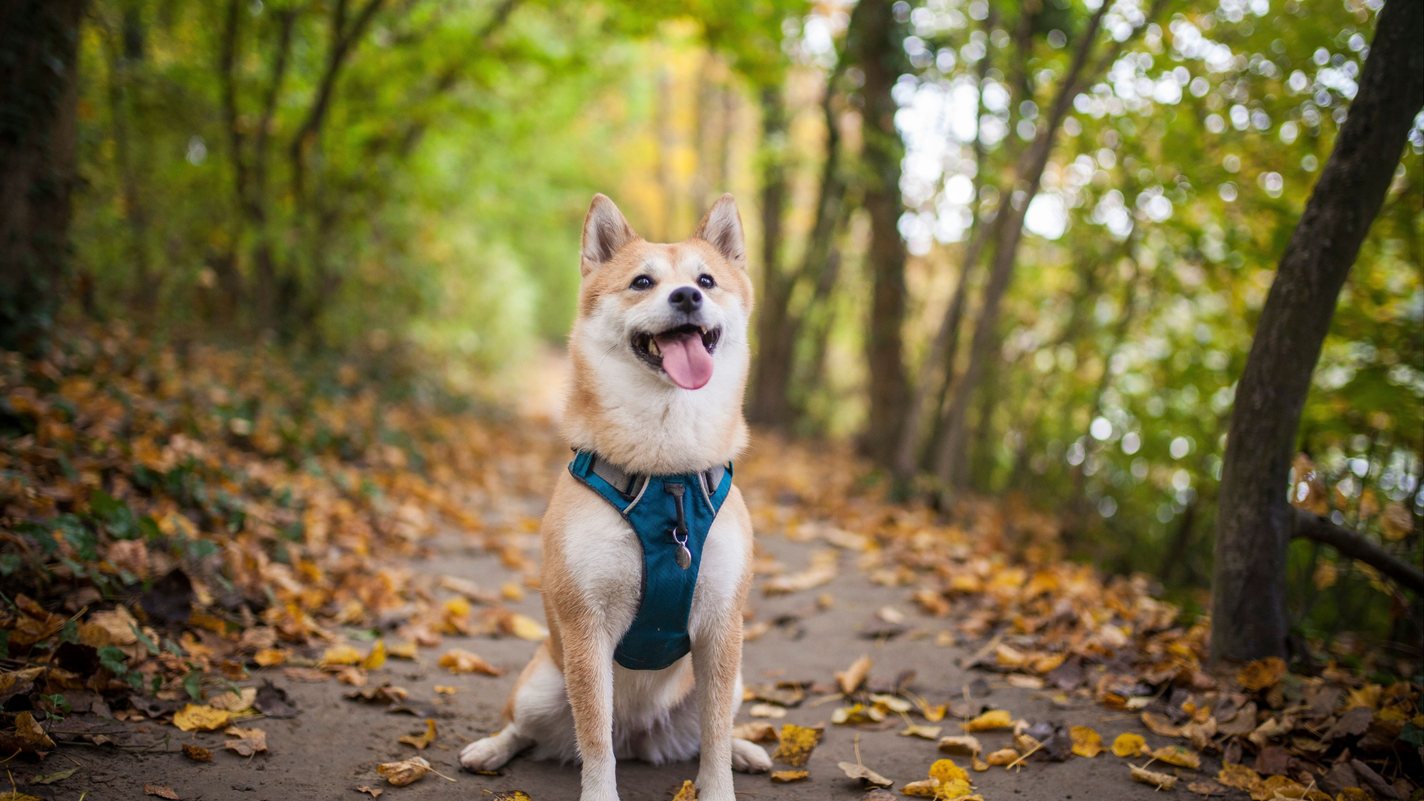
(334, 745)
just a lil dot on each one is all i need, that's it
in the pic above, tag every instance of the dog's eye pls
(641, 282)
(705, 281)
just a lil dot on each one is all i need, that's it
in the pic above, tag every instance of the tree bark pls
(38, 97)
(774, 348)
(875, 42)
(1254, 518)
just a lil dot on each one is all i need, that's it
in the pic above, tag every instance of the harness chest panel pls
(671, 515)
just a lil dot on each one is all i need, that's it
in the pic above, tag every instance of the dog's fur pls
(573, 701)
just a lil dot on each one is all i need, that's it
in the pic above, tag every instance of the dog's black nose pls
(686, 299)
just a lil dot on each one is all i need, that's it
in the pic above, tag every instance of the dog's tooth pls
(653, 348)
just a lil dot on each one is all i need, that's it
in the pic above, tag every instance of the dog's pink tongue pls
(686, 360)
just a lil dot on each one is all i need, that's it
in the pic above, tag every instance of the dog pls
(646, 663)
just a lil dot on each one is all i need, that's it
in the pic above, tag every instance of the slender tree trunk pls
(1254, 516)
(38, 97)
(667, 143)
(774, 347)
(875, 42)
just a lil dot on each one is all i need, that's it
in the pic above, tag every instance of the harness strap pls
(629, 483)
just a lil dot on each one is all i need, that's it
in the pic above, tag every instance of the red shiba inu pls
(647, 544)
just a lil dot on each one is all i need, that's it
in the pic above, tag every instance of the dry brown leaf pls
(160, 790)
(1086, 742)
(851, 678)
(923, 732)
(755, 732)
(404, 772)
(868, 777)
(445, 689)
(31, 734)
(788, 776)
(197, 753)
(371, 791)
(458, 660)
(402, 650)
(420, 741)
(962, 745)
(248, 742)
(1206, 788)
(201, 718)
(1239, 777)
(1160, 724)
(1161, 781)
(234, 702)
(797, 743)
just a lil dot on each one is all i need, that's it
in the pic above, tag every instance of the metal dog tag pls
(683, 556)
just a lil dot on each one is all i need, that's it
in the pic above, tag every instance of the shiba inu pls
(647, 543)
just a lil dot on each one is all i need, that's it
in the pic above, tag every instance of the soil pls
(334, 744)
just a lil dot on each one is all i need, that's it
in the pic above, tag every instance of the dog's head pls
(659, 350)
(671, 310)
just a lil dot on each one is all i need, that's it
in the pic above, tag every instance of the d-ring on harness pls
(671, 515)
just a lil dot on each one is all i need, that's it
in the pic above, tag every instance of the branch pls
(1314, 527)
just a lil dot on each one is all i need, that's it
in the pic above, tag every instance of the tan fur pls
(572, 700)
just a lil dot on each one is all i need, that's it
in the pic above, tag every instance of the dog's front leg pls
(716, 662)
(588, 675)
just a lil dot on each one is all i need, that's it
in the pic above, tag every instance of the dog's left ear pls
(605, 232)
(722, 229)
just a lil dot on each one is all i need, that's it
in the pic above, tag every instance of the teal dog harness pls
(671, 516)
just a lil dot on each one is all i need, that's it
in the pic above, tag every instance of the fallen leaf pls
(201, 718)
(867, 777)
(404, 772)
(445, 689)
(755, 732)
(271, 657)
(851, 678)
(340, 655)
(57, 776)
(527, 628)
(376, 658)
(16, 795)
(458, 660)
(1206, 788)
(353, 676)
(197, 753)
(925, 732)
(1161, 781)
(160, 790)
(374, 793)
(234, 702)
(1239, 777)
(1002, 757)
(1086, 742)
(421, 740)
(788, 776)
(402, 650)
(1178, 755)
(1160, 724)
(797, 743)
(993, 719)
(31, 734)
(767, 711)
(1128, 744)
(688, 792)
(1262, 674)
(963, 745)
(857, 713)
(248, 742)
(945, 771)
(508, 795)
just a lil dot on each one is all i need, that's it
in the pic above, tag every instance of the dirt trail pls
(334, 745)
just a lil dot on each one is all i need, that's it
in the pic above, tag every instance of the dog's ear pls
(722, 229)
(605, 232)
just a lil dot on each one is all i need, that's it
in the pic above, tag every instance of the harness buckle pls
(682, 555)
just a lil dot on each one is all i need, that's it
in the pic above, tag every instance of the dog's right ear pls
(605, 232)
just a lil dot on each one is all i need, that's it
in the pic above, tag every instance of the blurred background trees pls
(1014, 248)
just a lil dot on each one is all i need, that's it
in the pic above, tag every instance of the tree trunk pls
(875, 43)
(38, 96)
(1254, 516)
(774, 347)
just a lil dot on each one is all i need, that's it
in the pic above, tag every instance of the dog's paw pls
(488, 754)
(748, 757)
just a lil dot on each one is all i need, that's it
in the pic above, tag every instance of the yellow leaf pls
(527, 628)
(458, 660)
(403, 650)
(338, 655)
(1262, 674)
(688, 792)
(944, 771)
(377, 657)
(1178, 755)
(234, 702)
(850, 678)
(788, 776)
(797, 743)
(1002, 757)
(422, 740)
(963, 745)
(1128, 744)
(270, 657)
(993, 719)
(445, 689)
(1239, 776)
(1086, 742)
(201, 718)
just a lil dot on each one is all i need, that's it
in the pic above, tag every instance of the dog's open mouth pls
(684, 353)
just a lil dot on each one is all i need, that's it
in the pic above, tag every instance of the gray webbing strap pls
(627, 483)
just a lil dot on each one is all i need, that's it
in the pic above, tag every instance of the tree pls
(1254, 517)
(875, 43)
(38, 91)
